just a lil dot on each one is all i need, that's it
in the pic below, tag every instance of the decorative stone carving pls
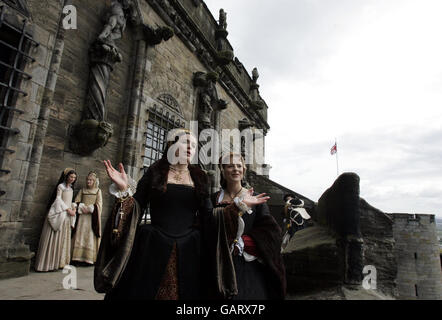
(222, 19)
(257, 102)
(156, 36)
(171, 102)
(116, 21)
(207, 98)
(255, 75)
(93, 132)
(225, 54)
(244, 124)
(103, 55)
(90, 135)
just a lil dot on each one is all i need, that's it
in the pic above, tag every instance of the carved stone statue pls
(222, 19)
(116, 22)
(207, 101)
(255, 75)
(207, 98)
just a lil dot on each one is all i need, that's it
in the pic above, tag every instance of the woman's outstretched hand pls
(117, 177)
(251, 200)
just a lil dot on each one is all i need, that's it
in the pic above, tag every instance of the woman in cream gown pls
(86, 240)
(54, 251)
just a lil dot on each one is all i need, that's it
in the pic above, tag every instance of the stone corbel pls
(244, 124)
(154, 36)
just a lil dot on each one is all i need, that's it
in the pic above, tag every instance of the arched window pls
(164, 115)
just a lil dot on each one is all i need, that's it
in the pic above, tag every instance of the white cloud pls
(367, 72)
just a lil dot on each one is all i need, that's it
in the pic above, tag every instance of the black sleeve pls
(143, 190)
(261, 209)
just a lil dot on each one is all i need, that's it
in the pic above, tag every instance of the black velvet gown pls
(171, 234)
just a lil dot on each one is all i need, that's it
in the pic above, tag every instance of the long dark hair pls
(160, 170)
(63, 178)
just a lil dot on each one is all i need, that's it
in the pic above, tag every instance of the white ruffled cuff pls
(129, 192)
(242, 206)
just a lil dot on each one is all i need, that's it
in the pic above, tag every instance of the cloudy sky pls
(366, 72)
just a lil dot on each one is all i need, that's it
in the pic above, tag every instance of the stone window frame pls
(19, 43)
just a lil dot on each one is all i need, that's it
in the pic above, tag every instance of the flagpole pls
(337, 167)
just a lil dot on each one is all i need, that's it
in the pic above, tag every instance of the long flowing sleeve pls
(219, 230)
(96, 214)
(118, 236)
(57, 212)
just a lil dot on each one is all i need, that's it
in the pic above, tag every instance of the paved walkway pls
(49, 286)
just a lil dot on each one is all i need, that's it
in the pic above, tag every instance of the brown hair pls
(223, 181)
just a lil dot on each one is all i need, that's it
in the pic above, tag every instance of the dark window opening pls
(415, 255)
(415, 289)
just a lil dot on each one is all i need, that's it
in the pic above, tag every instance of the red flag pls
(334, 149)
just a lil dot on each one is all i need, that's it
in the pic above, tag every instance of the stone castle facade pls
(111, 88)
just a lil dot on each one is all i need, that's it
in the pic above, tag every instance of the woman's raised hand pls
(251, 200)
(117, 177)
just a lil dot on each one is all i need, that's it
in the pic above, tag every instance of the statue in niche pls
(205, 108)
(244, 124)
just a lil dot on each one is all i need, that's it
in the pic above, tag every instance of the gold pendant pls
(177, 177)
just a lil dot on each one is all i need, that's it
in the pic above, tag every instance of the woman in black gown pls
(254, 238)
(161, 260)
